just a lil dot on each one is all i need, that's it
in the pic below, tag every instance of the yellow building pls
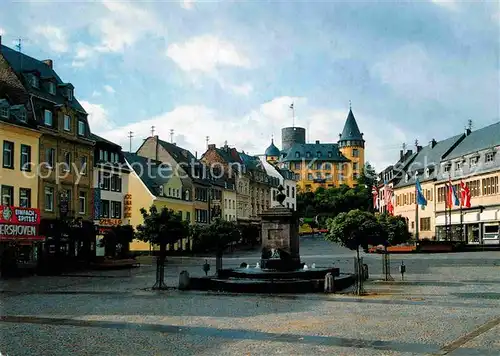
(320, 164)
(229, 207)
(155, 183)
(19, 162)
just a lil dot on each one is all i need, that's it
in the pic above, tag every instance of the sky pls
(229, 70)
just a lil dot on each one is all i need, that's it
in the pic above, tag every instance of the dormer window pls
(35, 81)
(4, 112)
(427, 172)
(447, 167)
(70, 94)
(489, 157)
(330, 154)
(458, 166)
(308, 154)
(52, 88)
(473, 161)
(161, 190)
(407, 178)
(297, 154)
(81, 128)
(318, 154)
(22, 115)
(47, 118)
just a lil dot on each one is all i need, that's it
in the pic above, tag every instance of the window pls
(425, 224)
(308, 154)
(293, 192)
(355, 166)
(297, 165)
(116, 183)
(318, 154)
(106, 181)
(309, 176)
(24, 198)
(101, 155)
(47, 118)
(68, 195)
(4, 112)
(105, 156)
(8, 154)
(489, 157)
(83, 165)
(52, 88)
(116, 209)
(49, 199)
(287, 191)
(81, 129)
(67, 162)
(81, 202)
(188, 215)
(22, 115)
(355, 152)
(50, 156)
(70, 94)
(26, 158)
(355, 176)
(7, 195)
(458, 166)
(67, 123)
(473, 161)
(104, 208)
(330, 154)
(297, 154)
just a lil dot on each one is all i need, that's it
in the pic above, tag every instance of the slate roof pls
(185, 158)
(351, 129)
(428, 157)
(159, 173)
(22, 64)
(272, 150)
(102, 139)
(329, 152)
(15, 115)
(478, 140)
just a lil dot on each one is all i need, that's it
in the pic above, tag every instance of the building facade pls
(153, 183)
(192, 173)
(319, 164)
(471, 158)
(19, 141)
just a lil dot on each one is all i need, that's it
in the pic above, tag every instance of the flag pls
(465, 195)
(420, 195)
(388, 194)
(455, 196)
(375, 198)
(448, 196)
(291, 106)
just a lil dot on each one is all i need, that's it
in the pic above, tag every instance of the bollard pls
(184, 280)
(365, 271)
(402, 270)
(329, 283)
(206, 267)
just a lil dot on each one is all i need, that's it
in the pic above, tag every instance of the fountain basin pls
(267, 274)
(284, 286)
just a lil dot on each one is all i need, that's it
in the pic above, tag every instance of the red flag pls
(375, 197)
(464, 195)
(449, 195)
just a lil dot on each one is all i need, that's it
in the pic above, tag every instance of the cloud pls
(187, 4)
(96, 93)
(109, 89)
(98, 117)
(2, 32)
(447, 4)
(252, 132)
(243, 89)
(55, 37)
(206, 54)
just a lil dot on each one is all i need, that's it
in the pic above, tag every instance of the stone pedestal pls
(280, 240)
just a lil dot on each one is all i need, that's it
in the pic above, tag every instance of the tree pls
(395, 229)
(353, 230)
(161, 228)
(219, 235)
(116, 242)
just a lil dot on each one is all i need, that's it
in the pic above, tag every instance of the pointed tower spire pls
(351, 132)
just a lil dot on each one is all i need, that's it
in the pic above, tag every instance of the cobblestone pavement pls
(449, 304)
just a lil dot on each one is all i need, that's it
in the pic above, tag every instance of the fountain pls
(280, 269)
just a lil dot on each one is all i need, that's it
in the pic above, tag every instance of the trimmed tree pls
(353, 230)
(116, 242)
(161, 228)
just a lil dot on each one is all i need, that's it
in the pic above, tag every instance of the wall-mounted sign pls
(127, 206)
(96, 203)
(110, 222)
(18, 215)
(19, 223)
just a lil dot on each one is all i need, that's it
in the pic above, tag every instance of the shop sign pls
(18, 215)
(127, 206)
(110, 222)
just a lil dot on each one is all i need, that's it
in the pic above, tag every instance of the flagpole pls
(416, 211)
(461, 213)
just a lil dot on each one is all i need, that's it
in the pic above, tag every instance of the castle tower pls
(272, 153)
(352, 146)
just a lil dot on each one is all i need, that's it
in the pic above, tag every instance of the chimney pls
(401, 154)
(211, 146)
(432, 143)
(419, 148)
(156, 143)
(195, 154)
(467, 131)
(49, 63)
(317, 142)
